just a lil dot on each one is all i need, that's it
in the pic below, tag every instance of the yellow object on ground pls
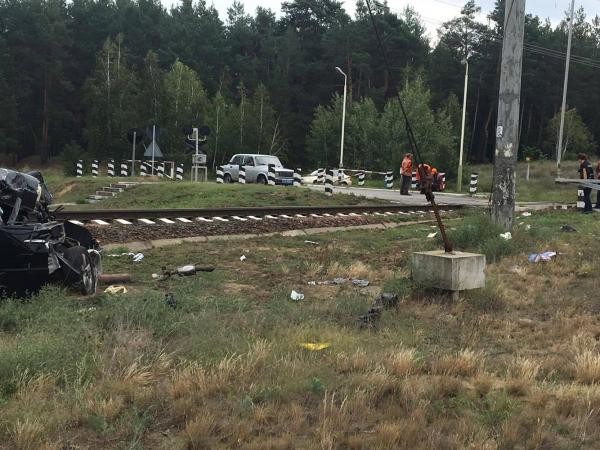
(116, 290)
(314, 346)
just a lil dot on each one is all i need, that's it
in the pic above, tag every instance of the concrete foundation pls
(456, 271)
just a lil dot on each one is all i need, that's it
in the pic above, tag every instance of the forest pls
(76, 76)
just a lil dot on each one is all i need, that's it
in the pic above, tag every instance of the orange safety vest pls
(406, 168)
(426, 169)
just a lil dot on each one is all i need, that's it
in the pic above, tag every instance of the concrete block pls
(456, 271)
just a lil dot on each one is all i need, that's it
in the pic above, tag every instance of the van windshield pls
(267, 159)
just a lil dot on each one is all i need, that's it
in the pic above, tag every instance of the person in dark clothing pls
(597, 173)
(586, 172)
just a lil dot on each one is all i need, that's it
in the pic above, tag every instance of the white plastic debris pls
(138, 257)
(311, 242)
(296, 296)
(243, 258)
(528, 227)
(526, 214)
(432, 235)
(506, 236)
(537, 257)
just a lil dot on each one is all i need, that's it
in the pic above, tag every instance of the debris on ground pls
(187, 270)
(568, 229)
(113, 289)
(373, 315)
(311, 242)
(296, 296)
(315, 346)
(136, 257)
(170, 300)
(526, 214)
(506, 236)
(243, 258)
(432, 235)
(537, 257)
(336, 281)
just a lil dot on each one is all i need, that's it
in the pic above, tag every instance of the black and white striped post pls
(321, 176)
(361, 178)
(179, 172)
(124, 169)
(329, 182)
(473, 185)
(580, 200)
(161, 170)
(220, 174)
(298, 177)
(413, 182)
(79, 168)
(271, 175)
(95, 168)
(143, 169)
(389, 180)
(242, 174)
(111, 168)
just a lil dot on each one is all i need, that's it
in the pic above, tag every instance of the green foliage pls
(69, 156)
(576, 136)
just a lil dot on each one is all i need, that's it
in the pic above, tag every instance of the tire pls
(261, 179)
(85, 281)
(227, 178)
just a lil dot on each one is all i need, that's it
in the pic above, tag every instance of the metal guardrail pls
(110, 214)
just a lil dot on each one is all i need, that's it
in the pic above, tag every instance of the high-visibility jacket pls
(426, 169)
(406, 168)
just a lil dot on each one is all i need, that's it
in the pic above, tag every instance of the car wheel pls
(344, 183)
(227, 178)
(85, 281)
(261, 179)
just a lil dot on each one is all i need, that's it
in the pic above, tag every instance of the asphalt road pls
(415, 198)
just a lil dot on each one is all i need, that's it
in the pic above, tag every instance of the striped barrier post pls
(242, 174)
(271, 174)
(389, 180)
(580, 200)
(473, 185)
(124, 169)
(329, 182)
(298, 177)
(179, 172)
(143, 169)
(161, 170)
(95, 168)
(442, 186)
(413, 183)
(361, 178)
(321, 176)
(79, 168)
(111, 168)
(220, 174)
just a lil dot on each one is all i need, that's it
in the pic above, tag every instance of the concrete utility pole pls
(507, 129)
(559, 148)
(462, 128)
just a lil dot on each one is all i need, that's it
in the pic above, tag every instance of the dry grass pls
(27, 434)
(332, 419)
(587, 367)
(524, 368)
(465, 363)
(402, 362)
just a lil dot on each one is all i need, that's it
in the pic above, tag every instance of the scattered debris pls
(568, 229)
(115, 290)
(311, 242)
(186, 270)
(84, 310)
(315, 346)
(243, 258)
(386, 299)
(170, 300)
(506, 236)
(528, 227)
(137, 257)
(355, 281)
(537, 257)
(373, 315)
(296, 296)
(432, 235)
(526, 214)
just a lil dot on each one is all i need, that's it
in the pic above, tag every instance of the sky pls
(433, 12)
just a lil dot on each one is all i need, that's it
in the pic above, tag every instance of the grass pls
(224, 368)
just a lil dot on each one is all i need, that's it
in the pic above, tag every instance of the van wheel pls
(261, 179)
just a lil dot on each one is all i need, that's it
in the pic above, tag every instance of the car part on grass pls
(373, 316)
(170, 300)
(315, 346)
(336, 281)
(182, 271)
(568, 229)
(296, 296)
(35, 249)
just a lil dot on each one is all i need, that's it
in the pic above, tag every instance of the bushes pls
(69, 156)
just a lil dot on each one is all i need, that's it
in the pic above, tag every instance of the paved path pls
(414, 199)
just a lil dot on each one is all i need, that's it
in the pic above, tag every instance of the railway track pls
(242, 214)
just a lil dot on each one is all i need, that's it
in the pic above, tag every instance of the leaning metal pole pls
(413, 143)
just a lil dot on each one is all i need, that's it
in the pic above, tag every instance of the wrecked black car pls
(34, 248)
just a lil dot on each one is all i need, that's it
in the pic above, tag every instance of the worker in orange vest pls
(427, 172)
(406, 173)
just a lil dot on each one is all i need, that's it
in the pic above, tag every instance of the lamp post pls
(343, 118)
(559, 148)
(462, 131)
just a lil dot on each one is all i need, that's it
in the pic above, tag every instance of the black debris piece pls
(170, 300)
(568, 229)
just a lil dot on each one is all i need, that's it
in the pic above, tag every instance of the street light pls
(465, 62)
(343, 118)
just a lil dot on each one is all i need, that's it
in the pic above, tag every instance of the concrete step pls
(112, 189)
(105, 194)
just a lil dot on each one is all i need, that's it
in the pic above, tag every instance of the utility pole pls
(559, 148)
(462, 129)
(507, 128)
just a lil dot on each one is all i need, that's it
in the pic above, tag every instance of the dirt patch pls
(65, 190)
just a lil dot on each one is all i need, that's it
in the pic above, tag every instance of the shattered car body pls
(34, 248)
